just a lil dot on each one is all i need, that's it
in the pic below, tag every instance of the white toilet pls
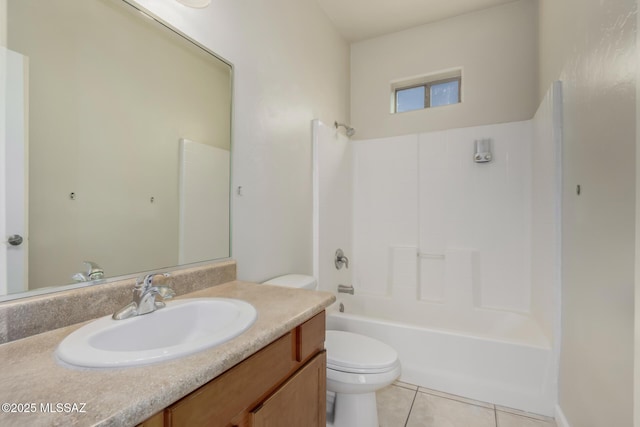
(357, 366)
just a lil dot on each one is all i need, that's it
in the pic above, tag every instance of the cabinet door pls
(300, 402)
(237, 390)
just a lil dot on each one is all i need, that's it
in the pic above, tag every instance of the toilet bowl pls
(357, 366)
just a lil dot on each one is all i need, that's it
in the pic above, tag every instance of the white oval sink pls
(183, 327)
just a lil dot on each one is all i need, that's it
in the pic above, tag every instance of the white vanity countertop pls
(32, 380)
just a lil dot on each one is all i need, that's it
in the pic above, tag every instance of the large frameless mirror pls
(116, 145)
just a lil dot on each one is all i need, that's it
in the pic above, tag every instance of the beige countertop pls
(31, 378)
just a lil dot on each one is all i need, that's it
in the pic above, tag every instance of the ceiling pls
(362, 19)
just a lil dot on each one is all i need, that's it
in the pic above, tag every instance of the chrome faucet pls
(94, 272)
(144, 297)
(343, 289)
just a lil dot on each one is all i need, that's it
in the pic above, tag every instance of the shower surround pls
(454, 263)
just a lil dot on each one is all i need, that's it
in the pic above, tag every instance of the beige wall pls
(590, 46)
(111, 95)
(496, 49)
(3, 22)
(290, 66)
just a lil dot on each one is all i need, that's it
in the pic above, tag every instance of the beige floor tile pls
(506, 419)
(523, 413)
(454, 397)
(405, 385)
(435, 411)
(394, 404)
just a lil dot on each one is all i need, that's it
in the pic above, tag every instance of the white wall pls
(290, 66)
(590, 46)
(496, 49)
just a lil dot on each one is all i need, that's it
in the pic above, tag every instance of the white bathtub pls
(488, 355)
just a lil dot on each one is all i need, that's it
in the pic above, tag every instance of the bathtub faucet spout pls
(343, 289)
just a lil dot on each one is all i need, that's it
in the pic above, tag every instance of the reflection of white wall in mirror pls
(201, 202)
(14, 171)
(109, 135)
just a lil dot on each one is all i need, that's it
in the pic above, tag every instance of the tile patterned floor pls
(406, 405)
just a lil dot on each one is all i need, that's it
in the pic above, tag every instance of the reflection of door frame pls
(3, 184)
(14, 181)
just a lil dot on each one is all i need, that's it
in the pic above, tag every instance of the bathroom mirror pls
(118, 131)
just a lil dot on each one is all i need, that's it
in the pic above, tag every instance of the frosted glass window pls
(445, 93)
(412, 98)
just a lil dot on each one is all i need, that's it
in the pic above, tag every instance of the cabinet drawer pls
(156, 421)
(310, 337)
(237, 390)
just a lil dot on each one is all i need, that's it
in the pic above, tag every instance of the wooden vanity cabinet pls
(284, 384)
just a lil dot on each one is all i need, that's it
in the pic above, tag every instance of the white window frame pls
(426, 81)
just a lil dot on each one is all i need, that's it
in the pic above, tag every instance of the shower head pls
(349, 130)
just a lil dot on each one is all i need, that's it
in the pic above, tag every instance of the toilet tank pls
(300, 281)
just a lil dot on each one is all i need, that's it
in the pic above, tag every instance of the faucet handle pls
(94, 271)
(144, 297)
(341, 259)
(146, 281)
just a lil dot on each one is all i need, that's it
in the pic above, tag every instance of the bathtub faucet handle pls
(341, 259)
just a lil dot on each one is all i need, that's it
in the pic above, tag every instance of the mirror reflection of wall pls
(110, 96)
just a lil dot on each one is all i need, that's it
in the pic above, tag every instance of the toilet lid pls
(351, 352)
(300, 281)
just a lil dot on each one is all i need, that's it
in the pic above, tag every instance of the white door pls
(13, 175)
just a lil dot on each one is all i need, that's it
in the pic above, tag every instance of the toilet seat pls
(354, 353)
